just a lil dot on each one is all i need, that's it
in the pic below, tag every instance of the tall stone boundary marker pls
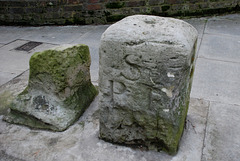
(59, 89)
(146, 70)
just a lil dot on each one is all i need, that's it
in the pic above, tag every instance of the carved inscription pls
(148, 68)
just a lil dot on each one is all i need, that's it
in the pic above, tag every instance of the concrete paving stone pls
(5, 77)
(216, 81)
(17, 43)
(14, 62)
(225, 48)
(228, 25)
(198, 23)
(14, 44)
(10, 33)
(57, 34)
(222, 141)
(42, 47)
(192, 141)
(92, 39)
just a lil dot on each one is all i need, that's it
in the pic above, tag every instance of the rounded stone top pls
(139, 29)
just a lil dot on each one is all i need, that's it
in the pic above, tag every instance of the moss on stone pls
(52, 63)
(59, 81)
(5, 100)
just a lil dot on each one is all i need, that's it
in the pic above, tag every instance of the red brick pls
(135, 3)
(93, 1)
(74, 2)
(92, 7)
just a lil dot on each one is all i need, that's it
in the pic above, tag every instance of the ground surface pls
(212, 132)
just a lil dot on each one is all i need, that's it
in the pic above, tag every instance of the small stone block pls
(59, 89)
(145, 74)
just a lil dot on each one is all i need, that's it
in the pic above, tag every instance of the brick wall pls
(41, 12)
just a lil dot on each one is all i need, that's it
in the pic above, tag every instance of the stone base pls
(58, 92)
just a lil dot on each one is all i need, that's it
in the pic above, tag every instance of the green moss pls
(54, 64)
(25, 91)
(114, 5)
(5, 101)
(62, 74)
(82, 99)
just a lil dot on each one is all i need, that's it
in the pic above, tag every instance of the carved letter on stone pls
(146, 69)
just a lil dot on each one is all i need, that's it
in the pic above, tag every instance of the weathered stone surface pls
(146, 70)
(59, 89)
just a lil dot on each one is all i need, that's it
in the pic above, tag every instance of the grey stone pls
(222, 140)
(145, 73)
(59, 89)
(4, 157)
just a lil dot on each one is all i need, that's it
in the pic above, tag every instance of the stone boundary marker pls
(59, 89)
(145, 75)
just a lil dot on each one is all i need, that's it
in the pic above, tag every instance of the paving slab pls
(198, 23)
(222, 141)
(10, 33)
(12, 45)
(5, 77)
(42, 47)
(228, 25)
(13, 62)
(56, 34)
(80, 142)
(225, 48)
(216, 81)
